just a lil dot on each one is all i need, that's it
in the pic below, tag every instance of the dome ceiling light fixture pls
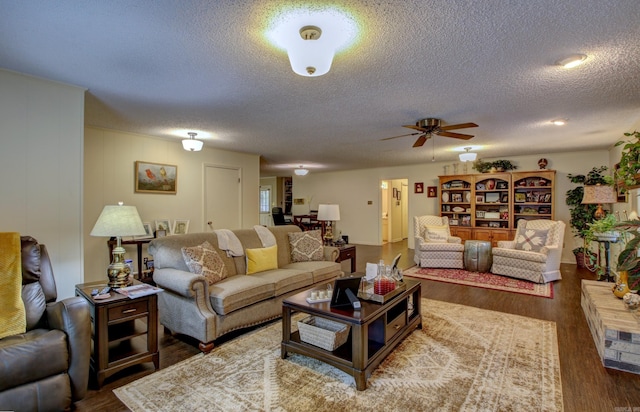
(312, 38)
(559, 122)
(467, 156)
(191, 144)
(572, 61)
(301, 171)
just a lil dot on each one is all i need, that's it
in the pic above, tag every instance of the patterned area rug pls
(464, 359)
(482, 280)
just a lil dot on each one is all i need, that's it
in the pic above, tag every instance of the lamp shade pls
(328, 212)
(301, 171)
(192, 145)
(467, 157)
(598, 194)
(118, 220)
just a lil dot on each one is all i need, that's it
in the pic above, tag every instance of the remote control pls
(94, 292)
(104, 290)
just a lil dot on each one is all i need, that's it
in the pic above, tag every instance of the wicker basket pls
(324, 333)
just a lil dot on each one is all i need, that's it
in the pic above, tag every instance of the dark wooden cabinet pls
(124, 331)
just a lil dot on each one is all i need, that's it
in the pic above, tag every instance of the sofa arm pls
(183, 283)
(331, 253)
(73, 317)
(454, 239)
(507, 244)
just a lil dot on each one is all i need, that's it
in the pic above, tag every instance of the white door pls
(265, 202)
(223, 203)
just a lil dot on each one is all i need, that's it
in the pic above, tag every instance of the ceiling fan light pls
(301, 171)
(572, 61)
(191, 144)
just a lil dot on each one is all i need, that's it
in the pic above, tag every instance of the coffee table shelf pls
(376, 329)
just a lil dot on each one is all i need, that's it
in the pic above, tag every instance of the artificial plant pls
(629, 165)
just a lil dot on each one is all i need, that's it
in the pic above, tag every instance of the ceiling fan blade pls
(458, 126)
(455, 135)
(414, 127)
(402, 135)
(421, 140)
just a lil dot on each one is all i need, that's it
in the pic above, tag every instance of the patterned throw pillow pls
(204, 260)
(532, 240)
(437, 234)
(306, 246)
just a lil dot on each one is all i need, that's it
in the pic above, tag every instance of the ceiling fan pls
(430, 126)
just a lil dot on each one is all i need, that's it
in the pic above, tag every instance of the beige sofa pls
(190, 306)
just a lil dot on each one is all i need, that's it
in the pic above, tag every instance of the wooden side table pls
(347, 252)
(124, 331)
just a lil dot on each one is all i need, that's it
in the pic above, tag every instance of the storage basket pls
(323, 333)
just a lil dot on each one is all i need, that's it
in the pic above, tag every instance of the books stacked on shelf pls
(136, 291)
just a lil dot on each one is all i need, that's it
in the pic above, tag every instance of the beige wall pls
(109, 178)
(41, 135)
(354, 189)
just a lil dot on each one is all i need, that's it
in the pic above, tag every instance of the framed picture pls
(547, 198)
(492, 197)
(479, 198)
(180, 227)
(148, 232)
(504, 198)
(501, 185)
(520, 197)
(418, 187)
(432, 191)
(453, 222)
(163, 225)
(161, 233)
(155, 178)
(480, 214)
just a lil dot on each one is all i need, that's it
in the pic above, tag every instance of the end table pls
(124, 331)
(347, 252)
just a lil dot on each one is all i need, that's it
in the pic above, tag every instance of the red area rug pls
(482, 280)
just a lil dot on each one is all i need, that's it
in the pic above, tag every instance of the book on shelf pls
(136, 291)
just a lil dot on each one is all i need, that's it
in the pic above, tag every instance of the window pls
(265, 199)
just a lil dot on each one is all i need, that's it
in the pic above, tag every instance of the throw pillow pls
(261, 259)
(531, 240)
(306, 246)
(437, 234)
(204, 260)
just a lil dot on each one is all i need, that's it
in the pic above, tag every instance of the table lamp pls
(118, 220)
(328, 213)
(599, 195)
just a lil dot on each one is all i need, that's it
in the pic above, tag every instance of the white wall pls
(109, 178)
(41, 130)
(352, 190)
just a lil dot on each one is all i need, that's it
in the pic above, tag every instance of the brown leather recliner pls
(46, 368)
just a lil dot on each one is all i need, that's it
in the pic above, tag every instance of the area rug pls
(463, 359)
(482, 280)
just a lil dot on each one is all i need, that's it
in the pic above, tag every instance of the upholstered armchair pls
(45, 368)
(434, 245)
(534, 254)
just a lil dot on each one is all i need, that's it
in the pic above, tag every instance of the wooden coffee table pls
(376, 329)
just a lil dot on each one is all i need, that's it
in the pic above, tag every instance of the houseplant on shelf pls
(581, 215)
(629, 165)
(503, 165)
(482, 167)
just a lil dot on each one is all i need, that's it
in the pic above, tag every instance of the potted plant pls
(482, 167)
(628, 259)
(629, 165)
(503, 165)
(602, 229)
(581, 215)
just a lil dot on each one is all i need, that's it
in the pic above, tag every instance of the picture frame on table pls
(180, 227)
(480, 198)
(156, 178)
(148, 232)
(453, 222)
(163, 225)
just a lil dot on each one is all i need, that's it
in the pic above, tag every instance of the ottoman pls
(477, 255)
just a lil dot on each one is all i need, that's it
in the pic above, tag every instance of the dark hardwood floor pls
(587, 385)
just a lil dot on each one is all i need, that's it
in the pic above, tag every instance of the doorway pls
(394, 200)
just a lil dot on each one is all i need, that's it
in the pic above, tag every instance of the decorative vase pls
(621, 287)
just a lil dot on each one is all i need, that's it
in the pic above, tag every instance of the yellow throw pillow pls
(259, 260)
(437, 234)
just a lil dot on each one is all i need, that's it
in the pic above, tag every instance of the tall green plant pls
(629, 160)
(582, 215)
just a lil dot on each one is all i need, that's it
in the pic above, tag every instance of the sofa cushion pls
(437, 234)
(306, 246)
(321, 271)
(30, 259)
(261, 259)
(239, 291)
(204, 260)
(531, 240)
(286, 280)
(32, 356)
(34, 303)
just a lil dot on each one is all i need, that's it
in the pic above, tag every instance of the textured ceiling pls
(162, 67)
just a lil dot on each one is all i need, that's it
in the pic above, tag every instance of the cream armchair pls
(434, 245)
(534, 254)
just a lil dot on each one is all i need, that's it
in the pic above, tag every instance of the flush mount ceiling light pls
(572, 61)
(559, 122)
(301, 171)
(467, 156)
(311, 38)
(191, 144)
